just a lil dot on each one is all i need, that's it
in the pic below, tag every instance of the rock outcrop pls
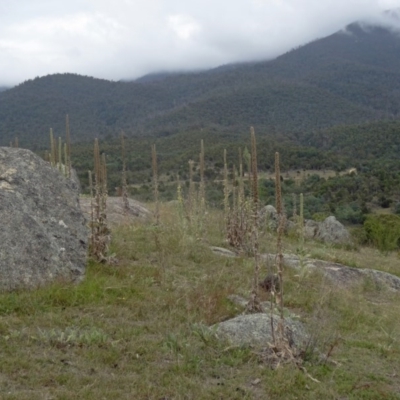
(115, 210)
(44, 234)
(328, 231)
(339, 274)
(269, 217)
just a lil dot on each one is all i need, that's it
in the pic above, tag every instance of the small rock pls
(255, 330)
(222, 252)
(271, 283)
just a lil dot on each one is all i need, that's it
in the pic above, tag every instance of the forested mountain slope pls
(350, 77)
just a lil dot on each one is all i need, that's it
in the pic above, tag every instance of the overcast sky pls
(122, 39)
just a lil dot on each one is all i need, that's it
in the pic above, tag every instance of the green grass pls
(139, 329)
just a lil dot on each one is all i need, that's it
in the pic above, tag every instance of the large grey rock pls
(256, 330)
(328, 231)
(43, 234)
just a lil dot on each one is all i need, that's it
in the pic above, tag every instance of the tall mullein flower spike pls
(124, 188)
(281, 219)
(68, 145)
(155, 182)
(254, 303)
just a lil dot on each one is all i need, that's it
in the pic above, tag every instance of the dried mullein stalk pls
(155, 183)
(68, 164)
(254, 304)
(124, 191)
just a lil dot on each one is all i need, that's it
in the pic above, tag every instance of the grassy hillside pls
(139, 329)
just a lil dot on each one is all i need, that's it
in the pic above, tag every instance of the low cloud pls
(128, 38)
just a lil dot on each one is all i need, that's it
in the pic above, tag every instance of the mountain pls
(350, 77)
(3, 88)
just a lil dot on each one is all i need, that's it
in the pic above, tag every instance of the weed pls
(72, 336)
(205, 333)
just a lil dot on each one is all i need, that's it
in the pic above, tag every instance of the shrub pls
(320, 216)
(351, 213)
(383, 231)
(359, 235)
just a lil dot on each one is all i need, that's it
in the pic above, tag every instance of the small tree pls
(383, 231)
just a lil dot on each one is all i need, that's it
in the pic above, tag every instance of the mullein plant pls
(202, 189)
(241, 179)
(100, 233)
(201, 214)
(52, 149)
(191, 200)
(104, 196)
(194, 207)
(301, 223)
(92, 211)
(157, 228)
(301, 251)
(282, 349)
(230, 216)
(282, 346)
(155, 184)
(124, 186)
(226, 196)
(68, 164)
(281, 227)
(67, 171)
(59, 155)
(254, 304)
(294, 201)
(238, 220)
(15, 144)
(181, 203)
